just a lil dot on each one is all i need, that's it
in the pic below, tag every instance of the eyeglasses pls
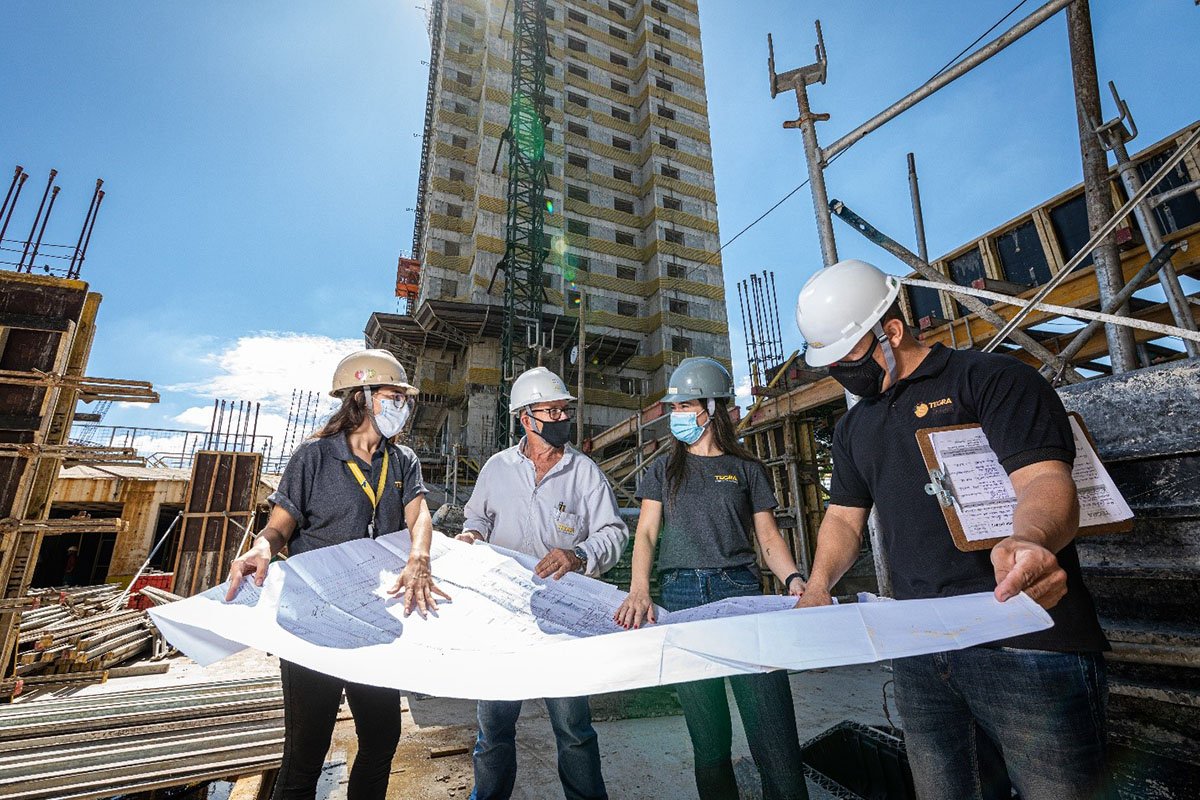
(555, 414)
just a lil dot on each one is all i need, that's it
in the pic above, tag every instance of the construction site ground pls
(644, 743)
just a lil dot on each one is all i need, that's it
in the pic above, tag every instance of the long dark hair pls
(727, 442)
(347, 418)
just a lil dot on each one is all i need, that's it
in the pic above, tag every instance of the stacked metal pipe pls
(74, 636)
(121, 742)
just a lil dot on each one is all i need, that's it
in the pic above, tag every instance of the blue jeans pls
(978, 718)
(764, 701)
(578, 751)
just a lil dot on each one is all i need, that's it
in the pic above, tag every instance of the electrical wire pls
(788, 196)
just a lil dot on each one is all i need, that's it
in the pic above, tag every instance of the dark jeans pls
(310, 706)
(764, 702)
(495, 757)
(977, 718)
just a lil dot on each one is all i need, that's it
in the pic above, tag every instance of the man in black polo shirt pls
(1030, 710)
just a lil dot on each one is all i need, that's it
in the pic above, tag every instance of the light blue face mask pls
(393, 414)
(684, 426)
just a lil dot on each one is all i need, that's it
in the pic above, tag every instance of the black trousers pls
(310, 706)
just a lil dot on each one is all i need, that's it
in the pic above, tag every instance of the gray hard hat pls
(697, 379)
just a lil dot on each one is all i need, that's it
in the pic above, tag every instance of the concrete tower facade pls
(632, 212)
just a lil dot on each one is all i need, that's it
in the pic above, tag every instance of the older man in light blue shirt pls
(547, 500)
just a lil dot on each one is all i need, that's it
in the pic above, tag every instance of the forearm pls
(420, 530)
(643, 559)
(838, 544)
(277, 532)
(1047, 512)
(777, 556)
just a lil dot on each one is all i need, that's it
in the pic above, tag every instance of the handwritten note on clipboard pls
(977, 497)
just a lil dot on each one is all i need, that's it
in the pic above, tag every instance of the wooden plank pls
(31, 322)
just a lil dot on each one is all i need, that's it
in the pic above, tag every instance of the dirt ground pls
(647, 757)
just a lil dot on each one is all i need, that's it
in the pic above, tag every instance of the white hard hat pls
(370, 368)
(839, 305)
(537, 385)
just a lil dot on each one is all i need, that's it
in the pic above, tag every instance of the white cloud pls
(266, 367)
(269, 369)
(196, 416)
(742, 390)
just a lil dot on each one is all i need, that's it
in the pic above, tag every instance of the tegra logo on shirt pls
(726, 478)
(922, 409)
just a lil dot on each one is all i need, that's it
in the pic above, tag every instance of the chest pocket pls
(566, 524)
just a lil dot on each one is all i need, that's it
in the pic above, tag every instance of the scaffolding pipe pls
(1116, 302)
(918, 217)
(1031, 345)
(797, 80)
(957, 71)
(1063, 311)
(1104, 230)
(1167, 277)
(1113, 135)
(1171, 194)
(1096, 192)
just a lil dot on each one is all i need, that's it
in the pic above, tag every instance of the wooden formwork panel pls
(221, 499)
(40, 322)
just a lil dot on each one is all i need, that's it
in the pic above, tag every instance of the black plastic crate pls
(859, 762)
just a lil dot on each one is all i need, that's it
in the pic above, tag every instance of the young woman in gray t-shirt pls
(712, 501)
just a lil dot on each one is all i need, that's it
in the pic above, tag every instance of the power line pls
(788, 196)
(978, 39)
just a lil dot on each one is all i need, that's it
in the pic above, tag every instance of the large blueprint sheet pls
(508, 634)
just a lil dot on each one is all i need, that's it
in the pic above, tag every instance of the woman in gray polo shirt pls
(348, 481)
(712, 500)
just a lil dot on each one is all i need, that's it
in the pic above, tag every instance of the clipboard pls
(976, 495)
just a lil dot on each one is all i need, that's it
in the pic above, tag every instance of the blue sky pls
(260, 159)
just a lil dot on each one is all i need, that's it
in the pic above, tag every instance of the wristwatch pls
(581, 554)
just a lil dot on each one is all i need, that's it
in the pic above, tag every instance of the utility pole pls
(1107, 260)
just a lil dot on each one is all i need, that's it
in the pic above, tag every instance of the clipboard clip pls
(937, 487)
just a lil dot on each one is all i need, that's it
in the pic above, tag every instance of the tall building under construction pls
(630, 220)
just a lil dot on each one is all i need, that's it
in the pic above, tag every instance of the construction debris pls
(122, 742)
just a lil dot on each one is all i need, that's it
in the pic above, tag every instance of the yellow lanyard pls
(376, 495)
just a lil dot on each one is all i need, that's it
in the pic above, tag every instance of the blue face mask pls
(685, 428)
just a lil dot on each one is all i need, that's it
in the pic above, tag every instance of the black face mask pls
(556, 434)
(862, 376)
